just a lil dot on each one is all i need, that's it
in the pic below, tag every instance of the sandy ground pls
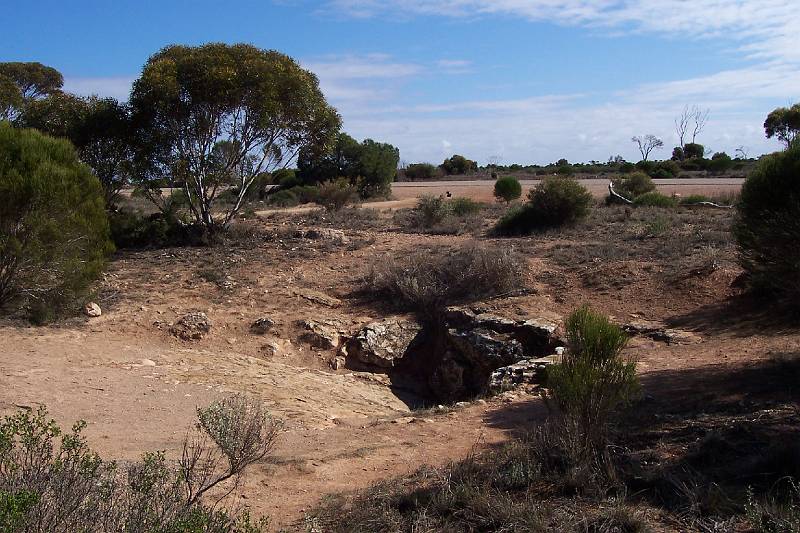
(138, 387)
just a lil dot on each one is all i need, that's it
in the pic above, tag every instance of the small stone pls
(92, 310)
(193, 326)
(262, 325)
(147, 362)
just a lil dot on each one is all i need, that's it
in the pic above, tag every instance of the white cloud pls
(454, 66)
(764, 28)
(117, 87)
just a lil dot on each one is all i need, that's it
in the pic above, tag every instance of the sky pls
(509, 81)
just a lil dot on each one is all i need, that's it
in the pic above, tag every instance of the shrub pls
(507, 188)
(593, 380)
(655, 199)
(694, 151)
(776, 513)
(767, 228)
(556, 201)
(461, 206)
(694, 199)
(54, 234)
(421, 171)
(426, 283)
(431, 210)
(633, 185)
(52, 481)
(458, 164)
(334, 195)
(283, 198)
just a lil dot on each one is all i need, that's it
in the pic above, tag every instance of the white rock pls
(92, 310)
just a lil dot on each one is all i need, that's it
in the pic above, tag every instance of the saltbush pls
(427, 282)
(767, 228)
(555, 202)
(54, 234)
(50, 480)
(334, 195)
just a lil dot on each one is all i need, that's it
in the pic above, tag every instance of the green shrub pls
(431, 210)
(767, 228)
(421, 171)
(54, 234)
(634, 185)
(694, 199)
(593, 379)
(555, 202)
(507, 188)
(655, 199)
(334, 195)
(50, 480)
(283, 198)
(461, 206)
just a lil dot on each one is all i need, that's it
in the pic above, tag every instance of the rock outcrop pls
(193, 326)
(380, 345)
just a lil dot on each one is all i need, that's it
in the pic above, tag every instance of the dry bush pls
(425, 282)
(52, 481)
(436, 215)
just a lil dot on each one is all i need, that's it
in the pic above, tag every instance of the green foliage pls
(431, 209)
(593, 379)
(370, 165)
(720, 162)
(655, 199)
(334, 195)
(768, 224)
(186, 93)
(458, 165)
(461, 206)
(634, 184)
(54, 235)
(377, 169)
(783, 123)
(555, 202)
(99, 128)
(507, 188)
(678, 154)
(23, 83)
(50, 480)
(131, 230)
(693, 151)
(420, 171)
(284, 198)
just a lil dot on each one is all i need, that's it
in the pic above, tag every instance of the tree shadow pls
(742, 316)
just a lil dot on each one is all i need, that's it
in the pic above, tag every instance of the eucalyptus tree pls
(22, 83)
(214, 117)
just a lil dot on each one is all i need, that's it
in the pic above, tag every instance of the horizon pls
(511, 81)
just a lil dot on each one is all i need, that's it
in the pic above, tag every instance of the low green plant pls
(334, 195)
(556, 201)
(461, 206)
(655, 199)
(593, 379)
(50, 480)
(635, 184)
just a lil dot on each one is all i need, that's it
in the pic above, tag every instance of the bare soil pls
(137, 386)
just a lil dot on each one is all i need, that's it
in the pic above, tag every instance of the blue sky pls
(516, 80)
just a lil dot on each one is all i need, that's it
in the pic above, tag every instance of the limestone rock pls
(333, 235)
(381, 344)
(92, 310)
(262, 325)
(322, 333)
(192, 326)
(659, 331)
(318, 297)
